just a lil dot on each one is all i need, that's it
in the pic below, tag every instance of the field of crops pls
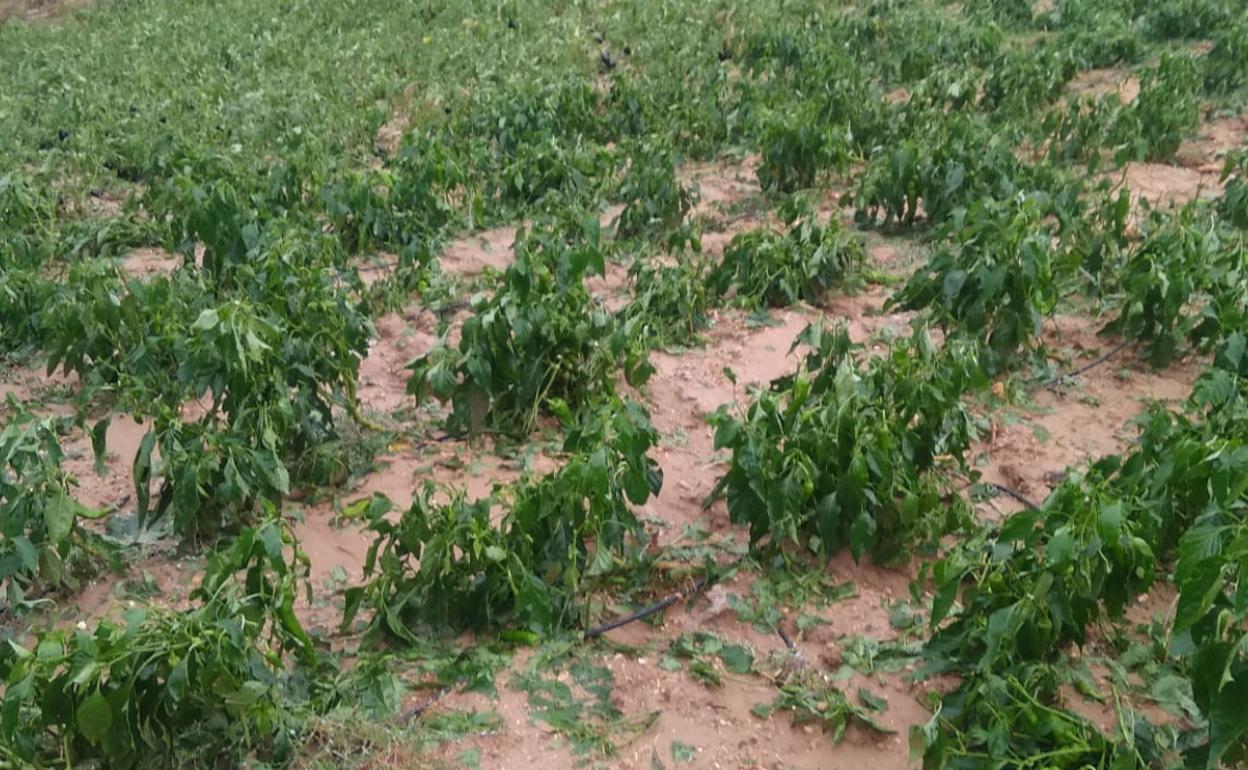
(629, 384)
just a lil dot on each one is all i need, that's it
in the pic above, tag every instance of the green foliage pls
(822, 111)
(1212, 567)
(24, 295)
(455, 563)
(1093, 235)
(768, 268)
(842, 454)
(1183, 260)
(401, 205)
(160, 685)
(581, 710)
(27, 221)
(43, 545)
(820, 704)
(1097, 34)
(538, 343)
(166, 687)
(941, 167)
(1004, 12)
(1046, 575)
(996, 283)
(1226, 65)
(1233, 203)
(266, 361)
(701, 647)
(266, 401)
(1186, 19)
(1153, 126)
(272, 145)
(1022, 81)
(655, 200)
(671, 304)
(1010, 720)
(795, 148)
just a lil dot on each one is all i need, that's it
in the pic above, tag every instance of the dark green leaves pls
(166, 683)
(539, 340)
(1185, 279)
(560, 535)
(94, 718)
(842, 453)
(769, 268)
(655, 200)
(997, 284)
(1092, 548)
(42, 545)
(700, 647)
(821, 704)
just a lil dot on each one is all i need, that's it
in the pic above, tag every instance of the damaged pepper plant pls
(538, 342)
(844, 453)
(530, 554)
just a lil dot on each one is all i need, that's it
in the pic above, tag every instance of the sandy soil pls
(146, 262)
(1028, 447)
(38, 10)
(1101, 82)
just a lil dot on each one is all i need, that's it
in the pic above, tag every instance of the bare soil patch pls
(1101, 82)
(38, 10)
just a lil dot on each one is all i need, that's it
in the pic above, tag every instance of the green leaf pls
(58, 516)
(871, 700)
(99, 436)
(207, 320)
(703, 671)
(1019, 526)
(682, 752)
(737, 658)
(177, 682)
(143, 474)
(1228, 719)
(942, 602)
(95, 717)
(862, 535)
(1197, 593)
(1000, 626)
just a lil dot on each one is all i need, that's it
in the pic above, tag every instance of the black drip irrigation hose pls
(646, 612)
(1115, 350)
(420, 708)
(784, 637)
(1020, 497)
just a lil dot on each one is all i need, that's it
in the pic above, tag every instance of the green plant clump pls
(997, 283)
(538, 342)
(843, 454)
(162, 687)
(1046, 575)
(768, 268)
(43, 545)
(458, 563)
